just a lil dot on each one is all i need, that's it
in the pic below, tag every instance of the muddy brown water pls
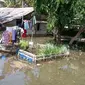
(62, 71)
(65, 71)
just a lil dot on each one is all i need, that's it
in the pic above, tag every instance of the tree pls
(79, 12)
(79, 18)
(18, 3)
(60, 13)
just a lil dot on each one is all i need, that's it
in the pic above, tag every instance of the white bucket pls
(31, 44)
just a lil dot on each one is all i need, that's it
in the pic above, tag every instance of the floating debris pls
(69, 67)
(18, 65)
(64, 67)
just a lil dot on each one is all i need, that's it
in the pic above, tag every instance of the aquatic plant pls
(51, 49)
(23, 44)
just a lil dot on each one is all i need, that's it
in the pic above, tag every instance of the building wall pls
(40, 31)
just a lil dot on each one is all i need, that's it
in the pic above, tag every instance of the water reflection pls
(14, 79)
(35, 71)
(1, 66)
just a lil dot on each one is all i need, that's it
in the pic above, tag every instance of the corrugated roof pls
(9, 14)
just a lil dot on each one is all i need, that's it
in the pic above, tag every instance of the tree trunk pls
(57, 36)
(55, 31)
(75, 37)
(60, 27)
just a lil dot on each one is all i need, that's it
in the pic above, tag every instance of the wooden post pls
(22, 7)
(32, 34)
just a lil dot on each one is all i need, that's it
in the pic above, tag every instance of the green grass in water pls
(50, 49)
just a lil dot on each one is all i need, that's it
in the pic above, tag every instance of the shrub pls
(23, 44)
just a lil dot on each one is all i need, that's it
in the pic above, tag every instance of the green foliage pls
(30, 2)
(18, 3)
(60, 12)
(10, 3)
(51, 23)
(23, 44)
(79, 12)
(50, 49)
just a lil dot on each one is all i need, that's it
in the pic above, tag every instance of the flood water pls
(62, 71)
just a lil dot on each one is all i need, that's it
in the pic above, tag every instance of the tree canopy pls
(18, 3)
(62, 13)
(59, 11)
(79, 12)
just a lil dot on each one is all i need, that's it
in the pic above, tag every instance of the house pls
(15, 17)
(7, 15)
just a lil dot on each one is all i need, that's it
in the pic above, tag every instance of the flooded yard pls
(62, 71)
(65, 71)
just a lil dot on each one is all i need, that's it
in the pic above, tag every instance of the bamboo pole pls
(22, 7)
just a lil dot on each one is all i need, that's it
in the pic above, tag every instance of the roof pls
(9, 14)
